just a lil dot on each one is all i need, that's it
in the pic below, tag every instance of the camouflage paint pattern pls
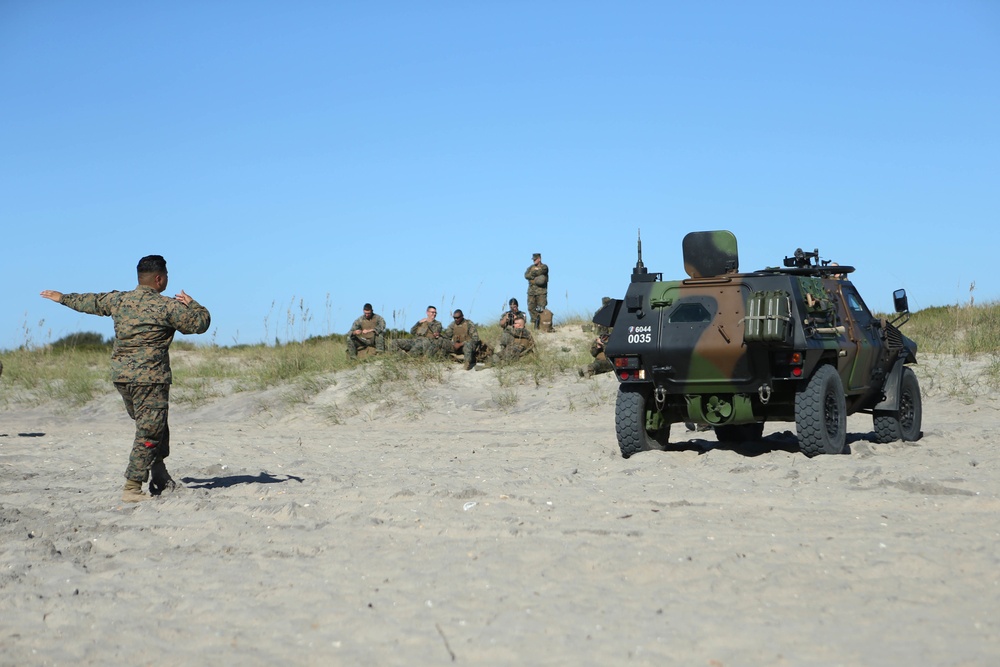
(464, 333)
(145, 324)
(514, 344)
(147, 405)
(538, 295)
(710, 254)
(374, 339)
(689, 336)
(419, 345)
(507, 319)
(431, 329)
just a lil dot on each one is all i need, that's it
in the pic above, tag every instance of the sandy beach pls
(466, 526)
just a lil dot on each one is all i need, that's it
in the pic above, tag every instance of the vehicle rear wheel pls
(903, 424)
(737, 434)
(630, 422)
(821, 414)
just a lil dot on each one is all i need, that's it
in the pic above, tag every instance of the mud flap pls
(890, 390)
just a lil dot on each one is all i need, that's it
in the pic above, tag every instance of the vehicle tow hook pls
(764, 391)
(660, 396)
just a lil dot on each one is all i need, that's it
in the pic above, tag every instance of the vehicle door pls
(864, 333)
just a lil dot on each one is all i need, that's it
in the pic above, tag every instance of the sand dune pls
(444, 529)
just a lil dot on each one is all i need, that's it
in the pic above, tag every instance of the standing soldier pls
(145, 324)
(537, 276)
(368, 331)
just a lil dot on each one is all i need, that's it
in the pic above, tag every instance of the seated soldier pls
(367, 333)
(461, 337)
(425, 334)
(601, 364)
(507, 319)
(515, 342)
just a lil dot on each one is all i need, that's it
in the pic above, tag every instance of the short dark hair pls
(367, 306)
(151, 264)
(512, 302)
(458, 313)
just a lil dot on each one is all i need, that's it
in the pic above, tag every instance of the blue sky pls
(295, 160)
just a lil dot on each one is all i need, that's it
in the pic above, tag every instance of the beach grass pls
(73, 371)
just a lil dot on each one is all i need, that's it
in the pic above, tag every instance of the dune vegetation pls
(960, 345)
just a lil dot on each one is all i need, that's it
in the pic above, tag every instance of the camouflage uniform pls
(465, 333)
(538, 295)
(599, 328)
(507, 319)
(374, 339)
(145, 324)
(514, 344)
(425, 338)
(601, 364)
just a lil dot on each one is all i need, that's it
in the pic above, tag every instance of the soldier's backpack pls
(483, 352)
(545, 321)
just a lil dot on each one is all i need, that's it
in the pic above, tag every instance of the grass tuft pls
(960, 347)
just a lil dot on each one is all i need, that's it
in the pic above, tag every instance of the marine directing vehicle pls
(734, 350)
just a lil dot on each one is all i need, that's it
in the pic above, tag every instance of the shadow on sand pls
(234, 480)
(776, 442)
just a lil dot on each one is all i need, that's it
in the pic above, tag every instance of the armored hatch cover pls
(708, 254)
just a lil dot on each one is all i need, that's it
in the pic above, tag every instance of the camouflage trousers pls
(600, 365)
(466, 349)
(509, 353)
(536, 304)
(355, 343)
(425, 346)
(147, 404)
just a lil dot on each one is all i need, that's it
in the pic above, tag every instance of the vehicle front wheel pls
(903, 424)
(821, 414)
(631, 408)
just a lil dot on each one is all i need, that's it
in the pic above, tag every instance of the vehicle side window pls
(690, 313)
(859, 311)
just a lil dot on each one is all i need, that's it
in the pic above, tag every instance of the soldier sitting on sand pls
(515, 342)
(367, 333)
(507, 319)
(461, 337)
(601, 364)
(425, 334)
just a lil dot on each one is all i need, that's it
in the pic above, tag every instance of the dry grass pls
(959, 354)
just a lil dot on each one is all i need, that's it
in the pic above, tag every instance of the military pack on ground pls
(732, 350)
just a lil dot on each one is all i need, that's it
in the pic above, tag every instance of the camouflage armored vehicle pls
(734, 350)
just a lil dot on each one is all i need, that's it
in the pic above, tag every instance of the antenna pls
(640, 268)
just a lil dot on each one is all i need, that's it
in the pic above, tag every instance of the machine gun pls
(802, 259)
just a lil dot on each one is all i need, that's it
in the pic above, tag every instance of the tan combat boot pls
(132, 493)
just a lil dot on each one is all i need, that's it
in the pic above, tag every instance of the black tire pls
(821, 414)
(905, 423)
(737, 434)
(630, 423)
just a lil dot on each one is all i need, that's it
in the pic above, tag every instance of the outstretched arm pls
(52, 295)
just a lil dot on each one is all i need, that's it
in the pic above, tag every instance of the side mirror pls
(899, 301)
